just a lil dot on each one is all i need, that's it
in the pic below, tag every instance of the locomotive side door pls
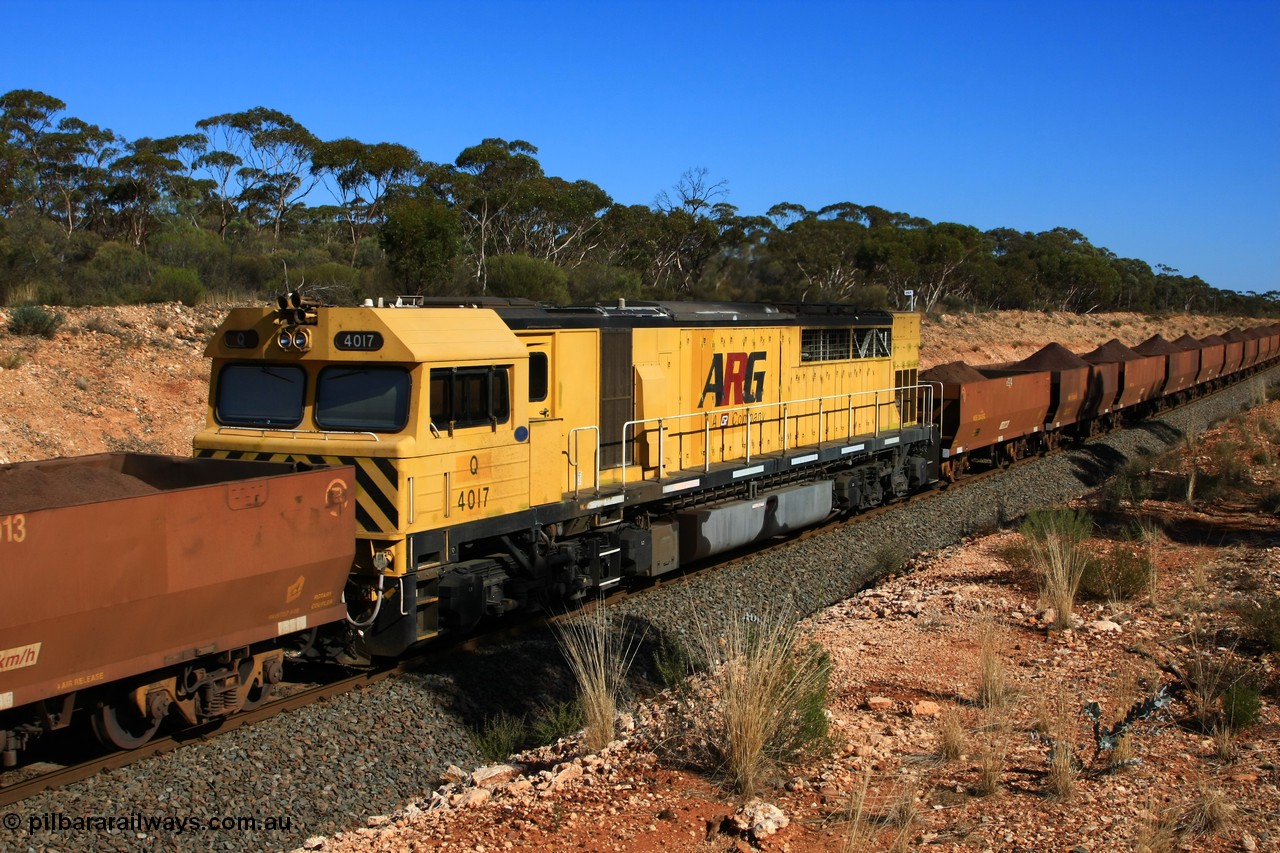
(562, 408)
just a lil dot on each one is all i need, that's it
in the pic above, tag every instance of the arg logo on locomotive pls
(733, 379)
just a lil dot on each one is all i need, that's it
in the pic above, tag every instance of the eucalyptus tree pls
(361, 175)
(820, 255)
(693, 217)
(421, 236)
(146, 181)
(27, 117)
(484, 185)
(75, 172)
(274, 169)
(556, 220)
(944, 254)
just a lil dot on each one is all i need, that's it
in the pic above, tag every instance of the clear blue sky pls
(1153, 128)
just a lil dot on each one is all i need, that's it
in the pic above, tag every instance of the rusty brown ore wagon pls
(991, 415)
(138, 585)
(1211, 356)
(1233, 353)
(1181, 365)
(1070, 390)
(1140, 376)
(1248, 344)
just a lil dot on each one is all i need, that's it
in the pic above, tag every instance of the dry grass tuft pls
(1211, 811)
(1157, 829)
(599, 659)
(1121, 755)
(992, 748)
(860, 836)
(992, 690)
(903, 813)
(1055, 539)
(770, 693)
(951, 734)
(1063, 769)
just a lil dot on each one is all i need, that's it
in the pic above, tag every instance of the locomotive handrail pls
(573, 462)
(924, 418)
(294, 434)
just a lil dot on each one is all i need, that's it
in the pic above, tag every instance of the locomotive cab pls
(423, 405)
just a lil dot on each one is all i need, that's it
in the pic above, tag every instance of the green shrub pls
(1262, 622)
(501, 737)
(1269, 501)
(888, 559)
(555, 722)
(590, 283)
(1119, 575)
(1233, 467)
(532, 278)
(12, 361)
(175, 284)
(1241, 704)
(34, 320)
(673, 661)
(1131, 485)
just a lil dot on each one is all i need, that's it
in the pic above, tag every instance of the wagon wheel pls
(259, 690)
(256, 695)
(1004, 455)
(121, 726)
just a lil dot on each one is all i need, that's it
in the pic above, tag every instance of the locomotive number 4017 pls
(358, 341)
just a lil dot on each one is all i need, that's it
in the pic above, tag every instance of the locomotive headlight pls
(294, 339)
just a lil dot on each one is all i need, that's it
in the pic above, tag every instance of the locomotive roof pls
(527, 314)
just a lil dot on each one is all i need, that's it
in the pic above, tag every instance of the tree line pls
(251, 203)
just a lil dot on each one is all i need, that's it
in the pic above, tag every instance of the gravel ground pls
(325, 767)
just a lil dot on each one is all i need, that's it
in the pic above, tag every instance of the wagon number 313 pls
(13, 528)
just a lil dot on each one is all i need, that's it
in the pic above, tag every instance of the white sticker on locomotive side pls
(6, 701)
(290, 626)
(19, 657)
(680, 487)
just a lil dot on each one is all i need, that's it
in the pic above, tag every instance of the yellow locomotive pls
(512, 455)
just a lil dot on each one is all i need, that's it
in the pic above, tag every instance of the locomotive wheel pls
(123, 727)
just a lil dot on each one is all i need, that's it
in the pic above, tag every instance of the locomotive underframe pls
(558, 553)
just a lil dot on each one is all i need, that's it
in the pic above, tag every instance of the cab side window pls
(470, 396)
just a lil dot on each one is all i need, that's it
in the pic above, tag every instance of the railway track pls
(16, 786)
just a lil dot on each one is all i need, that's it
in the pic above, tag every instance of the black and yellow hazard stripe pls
(376, 483)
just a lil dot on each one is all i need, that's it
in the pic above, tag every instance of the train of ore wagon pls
(372, 477)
